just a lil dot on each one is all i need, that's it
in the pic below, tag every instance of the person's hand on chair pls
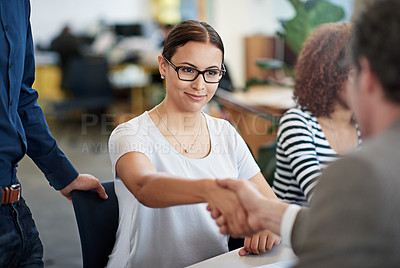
(84, 182)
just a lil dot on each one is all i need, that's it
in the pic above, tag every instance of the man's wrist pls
(288, 219)
(280, 208)
(270, 214)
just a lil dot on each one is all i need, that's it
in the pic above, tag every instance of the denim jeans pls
(20, 245)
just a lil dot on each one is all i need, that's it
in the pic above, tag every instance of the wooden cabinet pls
(47, 83)
(256, 112)
(256, 47)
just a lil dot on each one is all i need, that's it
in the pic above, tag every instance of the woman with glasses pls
(166, 160)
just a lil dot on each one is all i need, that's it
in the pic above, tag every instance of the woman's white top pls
(176, 236)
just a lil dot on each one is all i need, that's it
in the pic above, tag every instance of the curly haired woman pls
(321, 128)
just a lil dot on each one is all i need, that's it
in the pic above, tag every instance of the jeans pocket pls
(33, 248)
(25, 207)
(10, 239)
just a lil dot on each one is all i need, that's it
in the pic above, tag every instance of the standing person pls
(68, 48)
(23, 129)
(321, 128)
(165, 163)
(354, 216)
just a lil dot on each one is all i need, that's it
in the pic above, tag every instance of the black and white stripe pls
(302, 152)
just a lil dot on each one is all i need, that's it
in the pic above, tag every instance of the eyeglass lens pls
(190, 74)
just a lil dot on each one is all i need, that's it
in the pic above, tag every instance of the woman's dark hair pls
(320, 69)
(191, 30)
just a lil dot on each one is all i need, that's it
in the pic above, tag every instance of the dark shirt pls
(67, 46)
(23, 128)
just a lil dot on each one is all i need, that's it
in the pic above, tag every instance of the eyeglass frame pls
(176, 68)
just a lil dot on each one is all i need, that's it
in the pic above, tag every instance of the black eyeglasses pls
(190, 74)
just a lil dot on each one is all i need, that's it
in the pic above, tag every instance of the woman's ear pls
(162, 65)
(352, 74)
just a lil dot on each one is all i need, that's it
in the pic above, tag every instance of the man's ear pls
(161, 65)
(369, 81)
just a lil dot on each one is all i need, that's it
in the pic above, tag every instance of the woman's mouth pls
(195, 97)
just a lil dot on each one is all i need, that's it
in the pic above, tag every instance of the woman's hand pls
(260, 243)
(225, 202)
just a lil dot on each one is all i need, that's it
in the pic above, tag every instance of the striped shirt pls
(302, 153)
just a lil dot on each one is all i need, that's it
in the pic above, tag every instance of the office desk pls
(132, 77)
(256, 112)
(233, 260)
(267, 100)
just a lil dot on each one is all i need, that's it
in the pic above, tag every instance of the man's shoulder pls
(383, 148)
(374, 166)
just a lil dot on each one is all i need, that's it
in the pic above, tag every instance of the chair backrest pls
(88, 78)
(97, 223)
(267, 161)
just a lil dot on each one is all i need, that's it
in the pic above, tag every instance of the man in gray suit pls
(354, 218)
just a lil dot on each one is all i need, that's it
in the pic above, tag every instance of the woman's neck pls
(340, 130)
(341, 117)
(178, 120)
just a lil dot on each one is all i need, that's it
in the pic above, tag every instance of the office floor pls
(85, 144)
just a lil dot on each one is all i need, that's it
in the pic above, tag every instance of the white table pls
(280, 256)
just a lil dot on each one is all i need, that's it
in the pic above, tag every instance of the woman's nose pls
(199, 83)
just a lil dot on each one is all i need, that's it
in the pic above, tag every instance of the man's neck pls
(386, 115)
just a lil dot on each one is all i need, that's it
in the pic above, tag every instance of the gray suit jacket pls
(354, 218)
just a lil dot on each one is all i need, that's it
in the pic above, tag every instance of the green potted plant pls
(308, 15)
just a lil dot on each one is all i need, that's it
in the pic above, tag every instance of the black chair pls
(97, 223)
(88, 83)
(267, 161)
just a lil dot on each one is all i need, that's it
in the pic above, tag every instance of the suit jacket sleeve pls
(345, 218)
(299, 227)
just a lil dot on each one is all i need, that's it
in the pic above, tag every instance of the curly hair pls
(376, 37)
(320, 70)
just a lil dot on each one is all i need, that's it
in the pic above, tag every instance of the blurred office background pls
(96, 66)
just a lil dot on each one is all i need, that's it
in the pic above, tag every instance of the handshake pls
(240, 209)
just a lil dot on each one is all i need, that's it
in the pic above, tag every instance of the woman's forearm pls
(164, 190)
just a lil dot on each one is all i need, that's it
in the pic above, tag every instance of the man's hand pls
(250, 199)
(228, 204)
(84, 182)
(262, 213)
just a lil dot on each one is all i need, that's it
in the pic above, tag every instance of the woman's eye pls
(212, 72)
(187, 69)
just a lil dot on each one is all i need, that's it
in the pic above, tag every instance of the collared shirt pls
(23, 128)
(289, 217)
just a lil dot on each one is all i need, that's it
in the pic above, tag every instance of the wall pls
(49, 17)
(244, 18)
(233, 19)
